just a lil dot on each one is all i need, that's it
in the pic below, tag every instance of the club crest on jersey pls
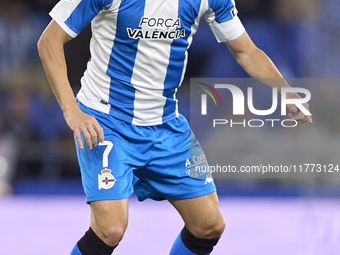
(106, 180)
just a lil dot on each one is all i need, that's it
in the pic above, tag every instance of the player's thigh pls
(201, 215)
(109, 218)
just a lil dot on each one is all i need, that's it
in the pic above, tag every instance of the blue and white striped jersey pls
(139, 51)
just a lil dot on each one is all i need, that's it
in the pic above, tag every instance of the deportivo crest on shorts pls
(106, 180)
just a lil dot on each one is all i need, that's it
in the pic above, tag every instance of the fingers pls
(85, 127)
(87, 137)
(91, 131)
(293, 110)
(299, 116)
(78, 139)
(100, 132)
(309, 119)
(92, 139)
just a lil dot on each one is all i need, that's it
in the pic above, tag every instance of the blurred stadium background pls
(40, 189)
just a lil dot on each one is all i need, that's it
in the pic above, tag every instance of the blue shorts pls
(157, 162)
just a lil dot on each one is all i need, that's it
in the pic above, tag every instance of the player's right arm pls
(259, 66)
(51, 52)
(227, 27)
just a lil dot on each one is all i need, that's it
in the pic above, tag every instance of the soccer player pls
(129, 134)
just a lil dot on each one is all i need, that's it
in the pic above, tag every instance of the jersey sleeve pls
(223, 20)
(74, 15)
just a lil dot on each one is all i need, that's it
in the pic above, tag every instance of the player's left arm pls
(259, 66)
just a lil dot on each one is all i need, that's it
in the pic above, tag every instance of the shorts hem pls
(182, 196)
(94, 198)
(195, 194)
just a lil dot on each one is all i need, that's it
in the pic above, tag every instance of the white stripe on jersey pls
(203, 7)
(150, 69)
(141, 84)
(91, 95)
(62, 11)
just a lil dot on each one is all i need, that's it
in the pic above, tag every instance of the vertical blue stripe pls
(123, 55)
(222, 9)
(188, 10)
(84, 13)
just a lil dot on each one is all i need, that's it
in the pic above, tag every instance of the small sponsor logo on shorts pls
(106, 180)
(194, 165)
(208, 179)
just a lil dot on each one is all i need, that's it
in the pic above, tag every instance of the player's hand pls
(298, 115)
(81, 122)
